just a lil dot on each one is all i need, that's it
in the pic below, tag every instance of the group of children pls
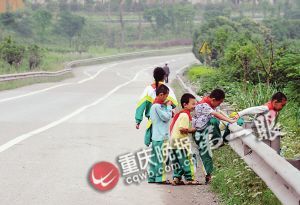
(168, 134)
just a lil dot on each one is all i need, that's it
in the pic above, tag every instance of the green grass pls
(236, 183)
(200, 71)
(55, 60)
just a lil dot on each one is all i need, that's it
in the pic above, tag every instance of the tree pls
(42, 21)
(11, 52)
(8, 19)
(35, 56)
(122, 24)
(181, 17)
(158, 18)
(287, 62)
(70, 25)
(241, 55)
(265, 54)
(139, 7)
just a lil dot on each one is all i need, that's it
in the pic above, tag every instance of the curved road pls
(52, 133)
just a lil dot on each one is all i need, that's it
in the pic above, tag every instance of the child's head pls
(158, 75)
(162, 93)
(278, 101)
(188, 101)
(217, 96)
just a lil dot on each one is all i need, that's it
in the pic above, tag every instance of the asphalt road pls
(52, 133)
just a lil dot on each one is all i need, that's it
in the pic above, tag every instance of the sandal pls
(194, 182)
(167, 182)
(176, 181)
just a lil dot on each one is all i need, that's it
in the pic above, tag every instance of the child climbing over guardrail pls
(206, 121)
(264, 123)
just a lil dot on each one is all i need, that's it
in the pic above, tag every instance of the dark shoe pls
(207, 179)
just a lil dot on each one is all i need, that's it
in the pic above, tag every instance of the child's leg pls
(160, 157)
(214, 123)
(177, 170)
(204, 151)
(207, 161)
(187, 165)
(152, 165)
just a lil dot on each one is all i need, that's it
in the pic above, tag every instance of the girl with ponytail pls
(147, 98)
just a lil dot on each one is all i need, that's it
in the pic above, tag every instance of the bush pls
(11, 52)
(35, 56)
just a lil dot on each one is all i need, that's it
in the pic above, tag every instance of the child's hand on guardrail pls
(234, 115)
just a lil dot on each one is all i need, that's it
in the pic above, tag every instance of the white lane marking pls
(95, 75)
(87, 74)
(53, 87)
(33, 93)
(23, 137)
(120, 75)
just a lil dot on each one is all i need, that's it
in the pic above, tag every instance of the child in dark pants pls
(206, 121)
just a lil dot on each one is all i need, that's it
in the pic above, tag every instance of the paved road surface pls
(52, 133)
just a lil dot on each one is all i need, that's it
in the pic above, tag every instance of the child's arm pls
(187, 130)
(252, 111)
(143, 107)
(164, 115)
(172, 98)
(184, 124)
(222, 117)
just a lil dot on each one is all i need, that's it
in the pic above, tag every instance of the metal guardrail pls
(69, 66)
(18, 76)
(279, 174)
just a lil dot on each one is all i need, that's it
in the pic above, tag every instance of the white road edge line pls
(23, 137)
(33, 93)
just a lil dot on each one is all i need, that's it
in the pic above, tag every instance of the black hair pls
(185, 99)
(279, 96)
(162, 89)
(159, 75)
(218, 94)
